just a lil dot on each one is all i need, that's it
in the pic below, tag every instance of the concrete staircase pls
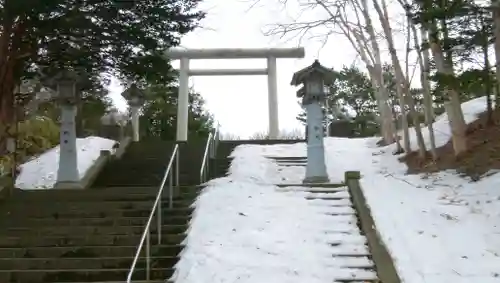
(144, 164)
(92, 235)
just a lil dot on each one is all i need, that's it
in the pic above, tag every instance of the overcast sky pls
(239, 103)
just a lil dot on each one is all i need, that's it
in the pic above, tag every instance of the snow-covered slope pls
(438, 228)
(41, 172)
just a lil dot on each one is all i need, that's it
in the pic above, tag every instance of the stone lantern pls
(135, 98)
(65, 84)
(314, 78)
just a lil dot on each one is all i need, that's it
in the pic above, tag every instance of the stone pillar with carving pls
(68, 176)
(313, 95)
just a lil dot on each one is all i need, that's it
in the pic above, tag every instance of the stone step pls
(78, 263)
(147, 181)
(119, 180)
(122, 281)
(285, 162)
(346, 276)
(90, 230)
(85, 275)
(329, 195)
(292, 164)
(325, 189)
(94, 205)
(147, 189)
(148, 177)
(35, 223)
(82, 197)
(130, 191)
(290, 161)
(287, 158)
(91, 212)
(87, 251)
(80, 240)
(136, 163)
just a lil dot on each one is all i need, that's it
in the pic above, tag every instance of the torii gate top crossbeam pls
(230, 53)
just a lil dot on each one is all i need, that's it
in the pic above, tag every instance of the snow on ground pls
(248, 232)
(438, 228)
(41, 172)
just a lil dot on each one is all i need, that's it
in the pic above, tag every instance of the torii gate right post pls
(271, 54)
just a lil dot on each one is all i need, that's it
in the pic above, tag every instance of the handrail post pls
(148, 255)
(212, 146)
(203, 179)
(170, 190)
(177, 181)
(216, 141)
(207, 170)
(159, 221)
(206, 155)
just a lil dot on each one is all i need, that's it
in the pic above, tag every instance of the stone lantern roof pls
(314, 70)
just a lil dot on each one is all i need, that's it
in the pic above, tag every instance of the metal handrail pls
(157, 207)
(210, 148)
(204, 162)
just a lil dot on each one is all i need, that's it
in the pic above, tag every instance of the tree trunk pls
(400, 77)
(387, 124)
(423, 60)
(404, 119)
(496, 36)
(399, 148)
(454, 108)
(381, 93)
(487, 81)
(10, 42)
(7, 105)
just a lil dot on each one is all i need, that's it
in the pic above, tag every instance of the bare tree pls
(444, 66)
(403, 82)
(362, 37)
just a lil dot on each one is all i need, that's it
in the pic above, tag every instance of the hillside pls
(482, 157)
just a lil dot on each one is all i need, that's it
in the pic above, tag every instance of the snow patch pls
(41, 172)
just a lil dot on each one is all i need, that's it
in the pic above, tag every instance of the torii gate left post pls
(271, 54)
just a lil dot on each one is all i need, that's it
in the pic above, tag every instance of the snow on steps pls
(351, 258)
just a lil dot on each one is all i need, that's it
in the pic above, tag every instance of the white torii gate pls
(271, 54)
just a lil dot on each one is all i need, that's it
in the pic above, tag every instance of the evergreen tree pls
(123, 38)
(159, 117)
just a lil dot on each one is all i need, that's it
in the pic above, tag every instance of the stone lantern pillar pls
(67, 174)
(314, 78)
(135, 98)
